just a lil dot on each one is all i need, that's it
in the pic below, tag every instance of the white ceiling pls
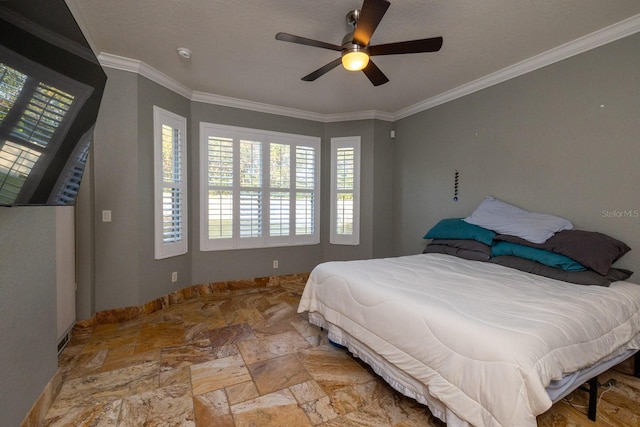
(235, 54)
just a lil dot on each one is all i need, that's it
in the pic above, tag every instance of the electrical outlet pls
(275, 263)
(174, 277)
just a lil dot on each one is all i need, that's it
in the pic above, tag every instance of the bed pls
(479, 343)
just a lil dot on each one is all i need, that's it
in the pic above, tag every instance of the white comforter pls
(485, 339)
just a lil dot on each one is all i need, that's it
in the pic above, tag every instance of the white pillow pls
(504, 218)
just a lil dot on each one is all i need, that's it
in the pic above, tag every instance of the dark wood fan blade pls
(370, 16)
(375, 75)
(308, 42)
(322, 70)
(413, 46)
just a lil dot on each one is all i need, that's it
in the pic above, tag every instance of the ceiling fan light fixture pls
(355, 59)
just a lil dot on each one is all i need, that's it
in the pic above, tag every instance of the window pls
(34, 118)
(258, 188)
(345, 191)
(170, 167)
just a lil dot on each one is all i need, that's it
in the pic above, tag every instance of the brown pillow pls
(467, 249)
(594, 250)
(587, 277)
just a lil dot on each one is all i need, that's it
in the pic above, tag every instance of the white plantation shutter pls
(16, 162)
(345, 191)
(279, 200)
(279, 216)
(259, 188)
(220, 214)
(170, 156)
(219, 166)
(305, 191)
(250, 214)
(34, 118)
(43, 114)
(251, 178)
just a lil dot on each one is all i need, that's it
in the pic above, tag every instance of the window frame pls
(164, 250)
(37, 76)
(266, 138)
(336, 238)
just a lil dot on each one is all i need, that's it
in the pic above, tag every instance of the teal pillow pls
(539, 255)
(456, 228)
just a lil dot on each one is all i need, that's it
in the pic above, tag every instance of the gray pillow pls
(587, 277)
(594, 250)
(467, 249)
(504, 218)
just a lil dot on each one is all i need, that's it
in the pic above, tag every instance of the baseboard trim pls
(36, 415)
(134, 312)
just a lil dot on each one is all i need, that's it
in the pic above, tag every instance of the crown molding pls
(134, 66)
(359, 115)
(225, 101)
(591, 41)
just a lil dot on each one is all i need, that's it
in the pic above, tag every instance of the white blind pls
(259, 188)
(172, 220)
(279, 217)
(345, 191)
(220, 197)
(251, 178)
(31, 113)
(220, 214)
(16, 162)
(305, 196)
(171, 184)
(172, 201)
(280, 165)
(305, 213)
(250, 214)
(11, 84)
(43, 115)
(344, 185)
(220, 162)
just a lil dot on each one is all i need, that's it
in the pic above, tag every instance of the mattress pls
(481, 340)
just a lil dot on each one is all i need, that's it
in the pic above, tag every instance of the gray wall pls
(85, 245)
(117, 266)
(541, 141)
(246, 263)
(120, 179)
(382, 190)
(364, 129)
(28, 357)
(154, 276)
(114, 187)
(375, 190)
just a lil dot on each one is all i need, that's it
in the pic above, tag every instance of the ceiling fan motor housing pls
(352, 17)
(349, 45)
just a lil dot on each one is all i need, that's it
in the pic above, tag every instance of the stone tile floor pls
(246, 358)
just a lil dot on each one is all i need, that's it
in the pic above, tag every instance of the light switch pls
(106, 216)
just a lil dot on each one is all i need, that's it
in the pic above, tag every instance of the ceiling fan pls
(355, 49)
